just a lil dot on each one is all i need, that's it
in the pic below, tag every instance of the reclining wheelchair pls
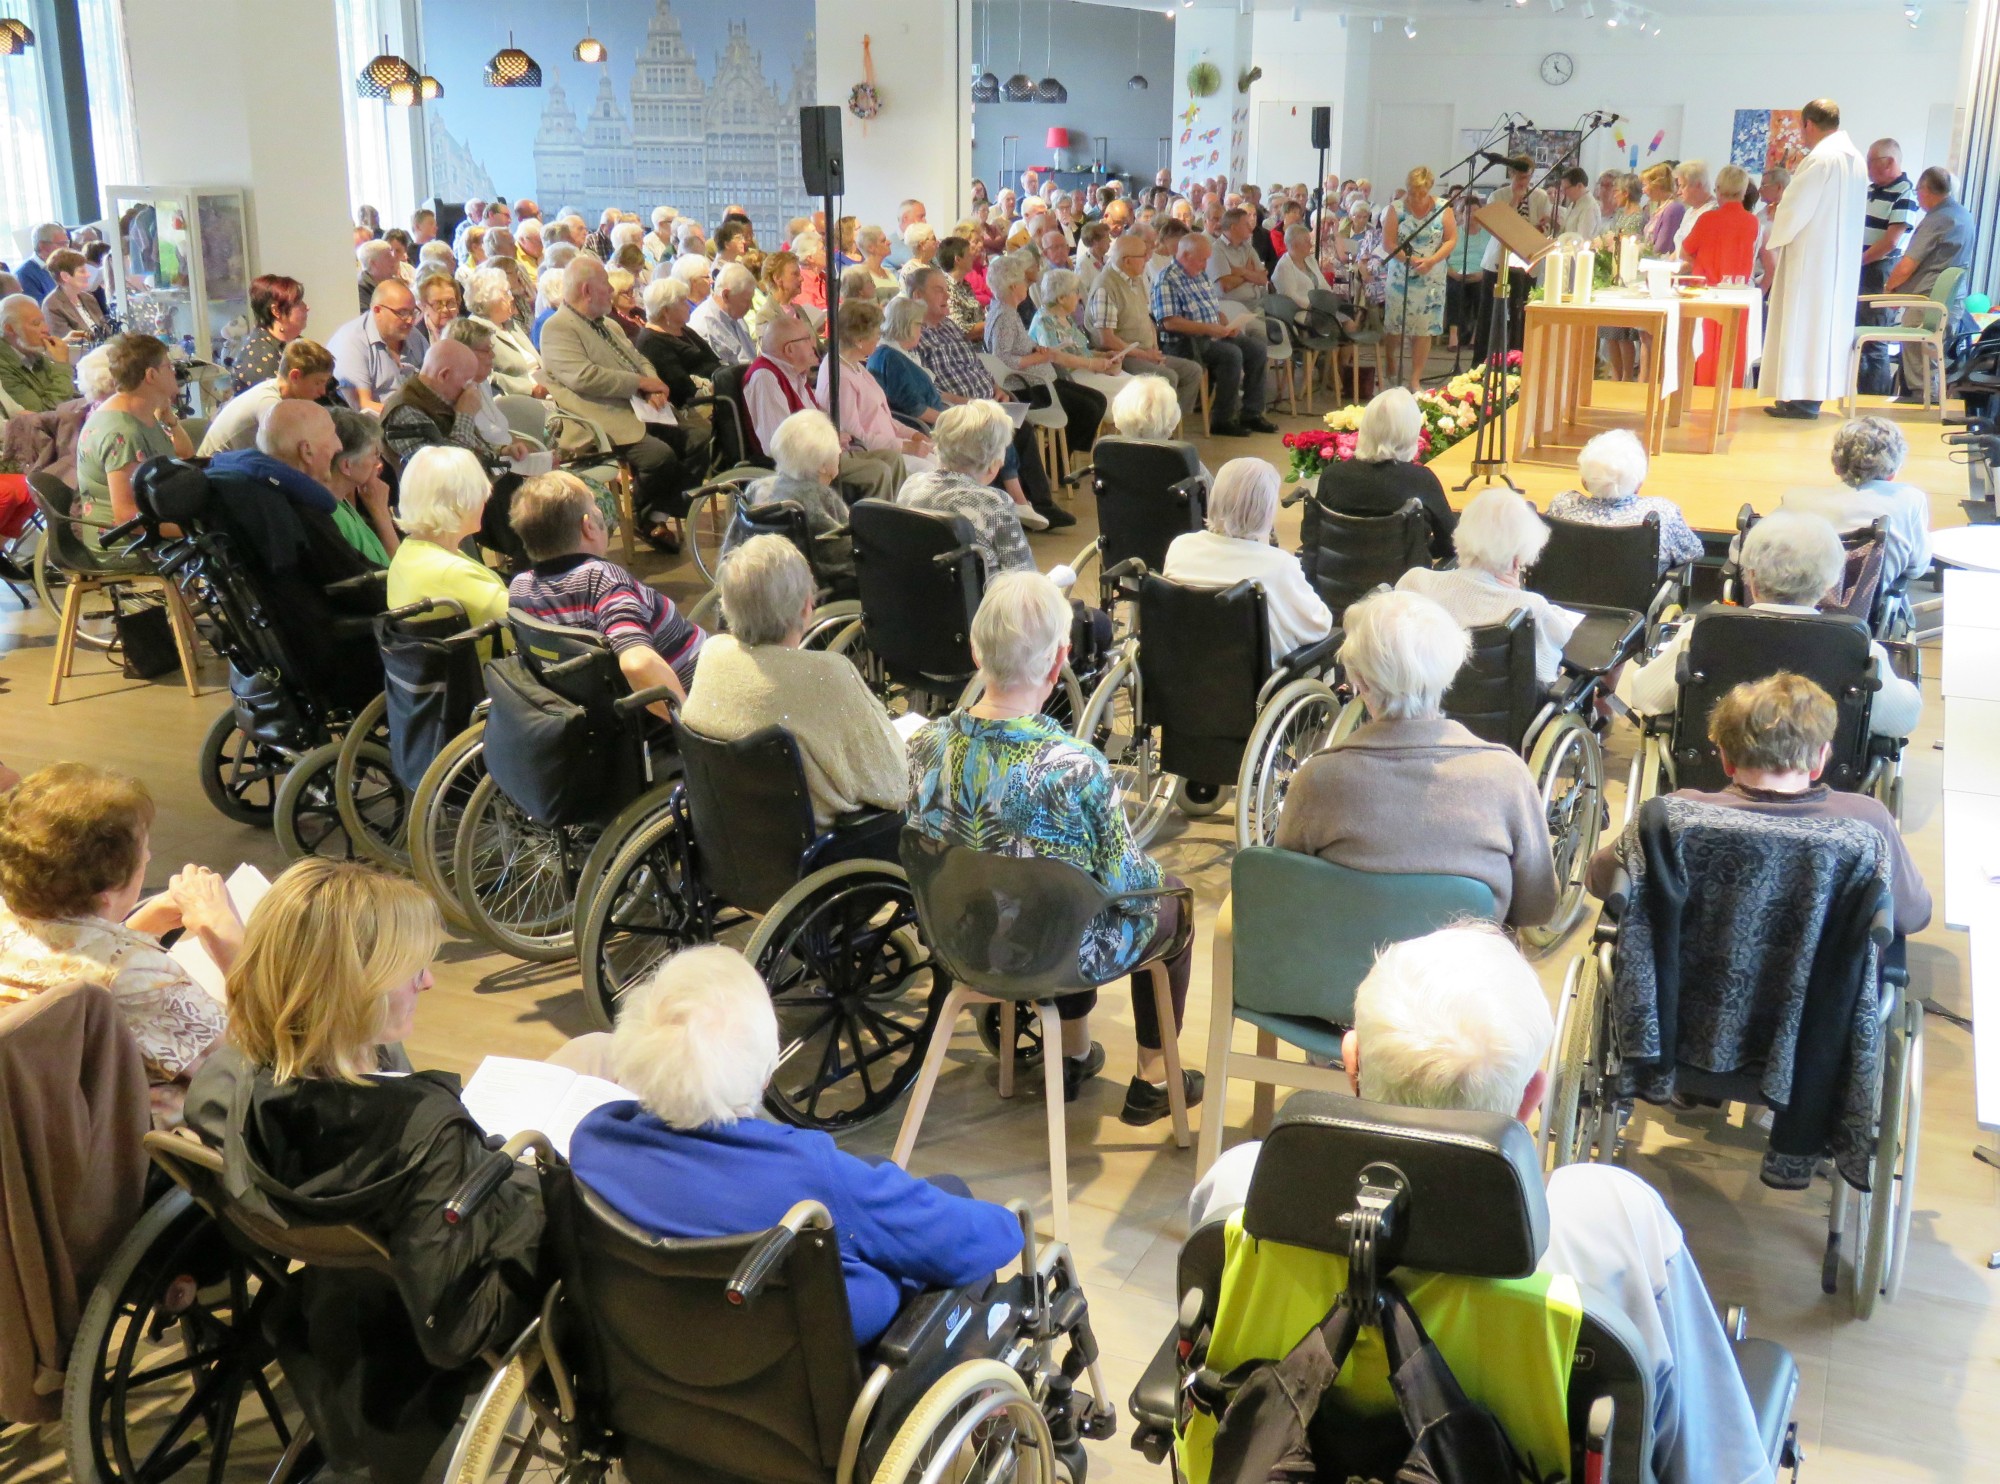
(1350, 1198)
(1595, 1065)
(731, 843)
(732, 1358)
(1346, 557)
(1195, 702)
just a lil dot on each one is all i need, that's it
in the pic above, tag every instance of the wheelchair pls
(1349, 1197)
(1586, 566)
(1586, 1107)
(1203, 704)
(836, 605)
(731, 1358)
(1346, 557)
(920, 580)
(1730, 646)
(302, 665)
(1148, 492)
(717, 507)
(1496, 696)
(1886, 607)
(732, 843)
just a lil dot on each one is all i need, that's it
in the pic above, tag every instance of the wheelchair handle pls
(424, 605)
(640, 699)
(1299, 493)
(135, 526)
(474, 634)
(358, 581)
(771, 1251)
(953, 557)
(479, 1188)
(570, 666)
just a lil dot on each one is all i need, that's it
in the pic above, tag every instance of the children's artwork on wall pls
(1763, 137)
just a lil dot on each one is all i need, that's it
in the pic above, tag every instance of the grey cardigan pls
(1427, 796)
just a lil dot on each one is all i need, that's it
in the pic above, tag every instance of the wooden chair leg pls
(628, 516)
(1170, 1048)
(1265, 1103)
(934, 1055)
(182, 623)
(1008, 1013)
(72, 615)
(1052, 1082)
(1221, 1023)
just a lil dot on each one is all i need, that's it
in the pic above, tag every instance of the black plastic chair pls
(1346, 557)
(1008, 930)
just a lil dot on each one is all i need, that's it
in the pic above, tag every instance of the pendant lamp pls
(1137, 81)
(1049, 89)
(1020, 87)
(590, 49)
(382, 74)
(511, 67)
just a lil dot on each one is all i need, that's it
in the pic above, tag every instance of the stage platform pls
(1761, 459)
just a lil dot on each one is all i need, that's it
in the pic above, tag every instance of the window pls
(114, 142)
(27, 175)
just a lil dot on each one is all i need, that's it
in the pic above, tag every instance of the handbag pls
(146, 640)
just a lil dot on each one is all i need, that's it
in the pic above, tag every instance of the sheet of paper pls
(909, 724)
(247, 886)
(508, 1095)
(534, 463)
(647, 412)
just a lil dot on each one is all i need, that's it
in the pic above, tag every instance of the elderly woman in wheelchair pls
(806, 449)
(1237, 547)
(1596, 1282)
(1497, 539)
(318, 1120)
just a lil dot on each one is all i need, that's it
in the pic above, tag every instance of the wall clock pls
(1558, 68)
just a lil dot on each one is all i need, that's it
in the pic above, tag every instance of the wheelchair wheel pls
(705, 612)
(1196, 801)
(516, 879)
(1570, 1113)
(1651, 774)
(240, 777)
(308, 816)
(1027, 1033)
(379, 834)
(1882, 1227)
(856, 991)
(977, 1424)
(1111, 725)
(708, 520)
(1293, 725)
(1569, 770)
(436, 808)
(633, 912)
(170, 1368)
(512, 1432)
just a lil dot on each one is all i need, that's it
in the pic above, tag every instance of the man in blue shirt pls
(372, 354)
(34, 275)
(1188, 311)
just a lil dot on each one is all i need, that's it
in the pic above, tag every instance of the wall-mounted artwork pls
(1763, 137)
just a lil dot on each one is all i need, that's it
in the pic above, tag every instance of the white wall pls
(1305, 63)
(246, 93)
(1889, 78)
(1217, 125)
(922, 144)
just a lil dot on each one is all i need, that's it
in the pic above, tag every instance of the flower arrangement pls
(1451, 413)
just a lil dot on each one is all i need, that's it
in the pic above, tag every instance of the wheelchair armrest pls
(748, 1281)
(925, 1317)
(479, 1187)
(359, 581)
(1771, 1379)
(425, 605)
(473, 635)
(1900, 301)
(953, 557)
(1313, 658)
(638, 700)
(1616, 895)
(1155, 1400)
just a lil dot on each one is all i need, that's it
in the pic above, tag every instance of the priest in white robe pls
(1816, 239)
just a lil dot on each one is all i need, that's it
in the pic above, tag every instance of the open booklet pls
(247, 886)
(648, 413)
(909, 724)
(507, 1095)
(531, 464)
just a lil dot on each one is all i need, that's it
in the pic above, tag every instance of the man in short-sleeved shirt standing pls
(1943, 239)
(1892, 213)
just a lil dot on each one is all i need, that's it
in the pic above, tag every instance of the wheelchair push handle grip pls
(136, 526)
(479, 1187)
(640, 699)
(425, 605)
(571, 665)
(772, 1249)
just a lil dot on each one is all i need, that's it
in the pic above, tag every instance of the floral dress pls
(1413, 304)
(1024, 788)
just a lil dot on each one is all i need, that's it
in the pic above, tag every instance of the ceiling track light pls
(1410, 27)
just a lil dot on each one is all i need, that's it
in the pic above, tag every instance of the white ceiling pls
(1934, 10)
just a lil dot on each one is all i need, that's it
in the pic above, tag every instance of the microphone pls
(1493, 159)
(1611, 118)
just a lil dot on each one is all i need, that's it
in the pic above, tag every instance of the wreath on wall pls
(864, 99)
(1204, 79)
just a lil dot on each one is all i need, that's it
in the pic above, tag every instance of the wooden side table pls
(1559, 363)
(1728, 319)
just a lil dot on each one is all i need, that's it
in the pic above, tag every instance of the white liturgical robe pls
(1816, 236)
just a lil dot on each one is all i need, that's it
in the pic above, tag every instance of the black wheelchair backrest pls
(1148, 492)
(431, 683)
(1495, 695)
(1474, 1179)
(1009, 926)
(785, 518)
(692, 1383)
(574, 663)
(198, 1170)
(751, 813)
(1346, 557)
(1203, 655)
(1730, 646)
(1603, 566)
(172, 491)
(920, 582)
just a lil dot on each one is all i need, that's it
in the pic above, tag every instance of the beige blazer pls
(593, 375)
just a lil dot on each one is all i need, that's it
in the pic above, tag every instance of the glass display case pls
(180, 266)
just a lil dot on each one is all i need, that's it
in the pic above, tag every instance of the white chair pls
(1931, 331)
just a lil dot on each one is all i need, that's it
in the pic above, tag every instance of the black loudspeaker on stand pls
(826, 177)
(1322, 140)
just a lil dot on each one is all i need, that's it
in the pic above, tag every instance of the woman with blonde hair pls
(1417, 239)
(444, 493)
(319, 1120)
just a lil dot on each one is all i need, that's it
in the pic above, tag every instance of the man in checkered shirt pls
(1188, 311)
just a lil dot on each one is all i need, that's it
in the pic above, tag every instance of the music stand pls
(1520, 238)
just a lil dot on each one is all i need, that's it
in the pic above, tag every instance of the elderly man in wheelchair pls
(1541, 1305)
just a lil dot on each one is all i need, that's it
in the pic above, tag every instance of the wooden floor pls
(1914, 1394)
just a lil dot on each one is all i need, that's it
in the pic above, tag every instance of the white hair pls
(373, 248)
(972, 437)
(532, 227)
(698, 1042)
(1147, 408)
(549, 289)
(1244, 503)
(1059, 283)
(685, 228)
(627, 234)
(690, 266)
(1022, 621)
(1612, 465)
(1498, 531)
(580, 274)
(490, 286)
(918, 232)
(560, 255)
(1006, 273)
(1298, 236)
(806, 243)
(93, 374)
(437, 250)
(870, 237)
(663, 214)
(1391, 426)
(1692, 172)
(1404, 650)
(442, 488)
(765, 585)
(1190, 242)
(805, 445)
(1454, 1019)
(661, 294)
(902, 317)
(735, 279)
(1792, 557)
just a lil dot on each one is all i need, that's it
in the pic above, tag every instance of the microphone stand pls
(1473, 170)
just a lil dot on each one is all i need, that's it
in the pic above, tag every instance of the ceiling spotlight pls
(1410, 28)
(1378, 25)
(1612, 21)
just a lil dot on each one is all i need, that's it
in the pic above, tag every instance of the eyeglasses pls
(403, 314)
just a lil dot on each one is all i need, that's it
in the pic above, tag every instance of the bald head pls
(301, 435)
(587, 287)
(789, 342)
(449, 368)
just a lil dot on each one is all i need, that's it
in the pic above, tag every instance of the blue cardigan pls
(908, 386)
(898, 1235)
